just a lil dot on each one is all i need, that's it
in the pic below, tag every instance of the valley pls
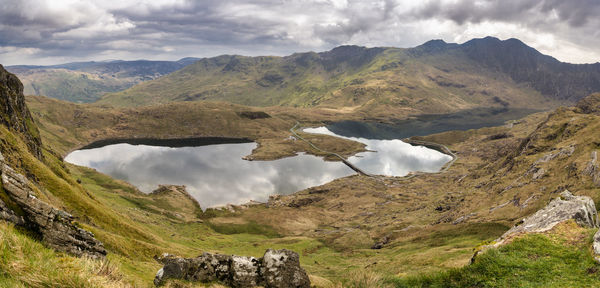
(517, 144)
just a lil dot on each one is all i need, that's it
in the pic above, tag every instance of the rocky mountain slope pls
(435, 77)
(88, 81)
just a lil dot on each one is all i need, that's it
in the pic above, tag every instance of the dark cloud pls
(51, 31)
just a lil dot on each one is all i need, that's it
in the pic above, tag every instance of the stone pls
(55, 226)
(277, 268)
(592, 169)
(539, 173)
(281, 269)
(579, 208)
(382, 242)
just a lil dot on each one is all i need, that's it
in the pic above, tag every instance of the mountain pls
(88, 81)
(435, 77)
(354, 231)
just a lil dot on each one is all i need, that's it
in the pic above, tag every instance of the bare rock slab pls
(54, 225)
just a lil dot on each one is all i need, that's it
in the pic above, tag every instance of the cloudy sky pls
(57, 31)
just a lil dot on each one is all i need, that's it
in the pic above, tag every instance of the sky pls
(43, 32)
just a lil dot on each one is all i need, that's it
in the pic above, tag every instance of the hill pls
(88, 81)
(435, 77)
(424, 224)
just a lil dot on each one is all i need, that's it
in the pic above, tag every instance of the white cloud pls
(85, 29)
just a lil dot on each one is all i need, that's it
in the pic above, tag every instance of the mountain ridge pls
(433, 77)
(87, 81)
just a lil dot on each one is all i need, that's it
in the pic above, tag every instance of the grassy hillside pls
(435, 77)
(88, 81)
(431, 222)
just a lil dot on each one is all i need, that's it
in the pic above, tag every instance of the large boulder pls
(276, 269)
(281, 269)
(55, 226)
(581, 209)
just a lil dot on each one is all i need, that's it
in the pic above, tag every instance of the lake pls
(391, 157)
(216, 174)
(427, 124)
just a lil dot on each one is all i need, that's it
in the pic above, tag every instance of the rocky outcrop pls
(567, 207)
(276, 269)
(55, 226)
(579, 208)
(14, 113)
(590, 104)
(592, 169)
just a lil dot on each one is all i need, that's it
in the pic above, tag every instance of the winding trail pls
(436, 146)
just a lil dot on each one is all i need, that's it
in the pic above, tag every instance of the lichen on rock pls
(581, 209)
(276, 269)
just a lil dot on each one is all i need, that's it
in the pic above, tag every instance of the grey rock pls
(592, 169)
(55, 226)
(277, 268)
(539, 173)
(281, 269)
(561, 153)
(579, 208)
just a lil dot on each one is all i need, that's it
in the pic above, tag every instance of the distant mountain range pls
(435, 77)
(88, 81)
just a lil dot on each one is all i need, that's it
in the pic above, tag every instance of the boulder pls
(277, 268)
(579, 208)
(55, 226)
(281, 268)
(592, 169)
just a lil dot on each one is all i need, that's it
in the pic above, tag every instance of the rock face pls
(53, 225)
(276, 269)
(14, 113)
(579, 208)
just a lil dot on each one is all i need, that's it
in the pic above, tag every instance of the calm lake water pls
(391, 157)
(429, 123)
(217, 175)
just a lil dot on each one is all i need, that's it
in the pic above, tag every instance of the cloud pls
(69, 30)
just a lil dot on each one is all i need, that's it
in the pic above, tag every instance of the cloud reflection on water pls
(216, 174)
(392, 157)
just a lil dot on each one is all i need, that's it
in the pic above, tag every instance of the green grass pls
(247, 228)
(535, 260)
(307, 80)
(25, 262)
